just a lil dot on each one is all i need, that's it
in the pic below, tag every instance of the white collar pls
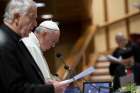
(34, 39)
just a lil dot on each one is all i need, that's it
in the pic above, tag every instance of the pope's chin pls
(45, 49)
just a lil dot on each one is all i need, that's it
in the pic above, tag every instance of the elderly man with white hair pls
(18, 71)
(44, 37)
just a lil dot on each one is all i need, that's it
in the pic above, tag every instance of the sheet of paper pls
(67, 81)
(114, 59)
(86, 72)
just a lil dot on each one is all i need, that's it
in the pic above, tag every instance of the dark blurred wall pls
(2, 8)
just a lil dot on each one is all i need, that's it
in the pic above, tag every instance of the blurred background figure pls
(135, 53)
(121, 52)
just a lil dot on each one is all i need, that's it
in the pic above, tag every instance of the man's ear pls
(16, 19)
(43, 33)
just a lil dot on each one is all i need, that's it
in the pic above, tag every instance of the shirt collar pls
(34, 39)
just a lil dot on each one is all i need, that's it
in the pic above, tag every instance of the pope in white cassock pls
(45, 36)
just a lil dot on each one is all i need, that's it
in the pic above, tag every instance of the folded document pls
(86, 72)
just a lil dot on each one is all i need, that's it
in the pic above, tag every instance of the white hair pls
(47, 26)
(17, 6)
(43, 29)
(120, 35)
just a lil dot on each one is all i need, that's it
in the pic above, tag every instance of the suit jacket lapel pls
(31, 60)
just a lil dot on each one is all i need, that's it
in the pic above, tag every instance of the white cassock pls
(32, 43)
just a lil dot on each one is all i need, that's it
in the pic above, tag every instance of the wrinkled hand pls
(59, 88)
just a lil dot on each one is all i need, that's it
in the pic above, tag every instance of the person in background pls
(121, 52)
(45, 36)
(135, 53)
(18, 71)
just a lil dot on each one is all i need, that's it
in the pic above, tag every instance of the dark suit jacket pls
(116, 69)
(135, 52)
(18, 71)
